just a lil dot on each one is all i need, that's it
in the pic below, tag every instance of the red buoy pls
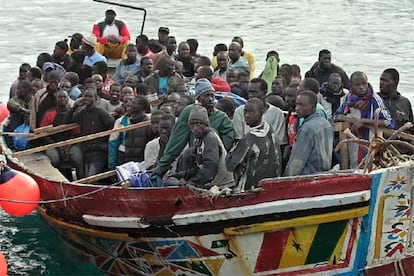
(4, 112)
(15, 185)
(3, 265)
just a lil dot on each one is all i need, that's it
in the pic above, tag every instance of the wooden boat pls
(335, 223)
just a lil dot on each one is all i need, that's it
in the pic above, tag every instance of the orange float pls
(15, 185)
(4, 112)
(3, 265)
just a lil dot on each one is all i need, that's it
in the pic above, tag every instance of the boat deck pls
(40, 164)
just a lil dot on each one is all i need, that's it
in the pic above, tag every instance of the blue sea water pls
(366, 35)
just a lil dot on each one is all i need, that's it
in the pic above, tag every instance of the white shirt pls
(273, 116)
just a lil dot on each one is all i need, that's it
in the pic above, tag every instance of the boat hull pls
(339, 223)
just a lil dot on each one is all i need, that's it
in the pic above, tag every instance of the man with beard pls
(333, 91)
(181, 135)
(112, 35)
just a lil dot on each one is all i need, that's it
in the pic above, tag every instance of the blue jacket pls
(312, 150)
(123, 70)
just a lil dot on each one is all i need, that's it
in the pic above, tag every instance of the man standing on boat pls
(112, 35)
(359, 110)
(257, 88)
(257, 155)
(323, 68)
(312, 150)
(398, 105)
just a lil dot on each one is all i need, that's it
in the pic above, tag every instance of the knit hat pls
(198, 114)
(89, 40)
(202, 86)
(112, 8)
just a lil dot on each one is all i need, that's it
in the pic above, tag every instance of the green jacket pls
(181, 136)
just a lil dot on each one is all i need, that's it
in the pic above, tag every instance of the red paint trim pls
(271, 251)
(163, 203)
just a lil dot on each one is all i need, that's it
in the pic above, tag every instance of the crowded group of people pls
(212, 120)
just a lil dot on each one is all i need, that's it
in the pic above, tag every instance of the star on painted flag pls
(296, 246)
(219, 243)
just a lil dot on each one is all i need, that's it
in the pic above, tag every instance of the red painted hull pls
(161, 204)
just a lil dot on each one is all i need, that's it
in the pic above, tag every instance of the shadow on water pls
(32, 248)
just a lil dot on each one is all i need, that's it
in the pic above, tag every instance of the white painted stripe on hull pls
(115, 222)
(274, 207)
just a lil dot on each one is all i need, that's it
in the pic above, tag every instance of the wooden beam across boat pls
(81, 139)
(42, 131)
(95, 177)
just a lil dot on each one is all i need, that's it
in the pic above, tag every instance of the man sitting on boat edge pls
(180, 136)
(112, 35)
(203, 164)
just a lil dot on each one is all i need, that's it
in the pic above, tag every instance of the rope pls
(62, 199)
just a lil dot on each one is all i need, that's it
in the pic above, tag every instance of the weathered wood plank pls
(80, 139)
(95, 177)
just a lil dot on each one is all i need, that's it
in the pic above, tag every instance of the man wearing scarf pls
(359, 110)
(333, 91)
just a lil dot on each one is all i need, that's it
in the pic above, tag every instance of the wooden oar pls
(81, 139)
(42, 132)
(341, 126)
(403, 135)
